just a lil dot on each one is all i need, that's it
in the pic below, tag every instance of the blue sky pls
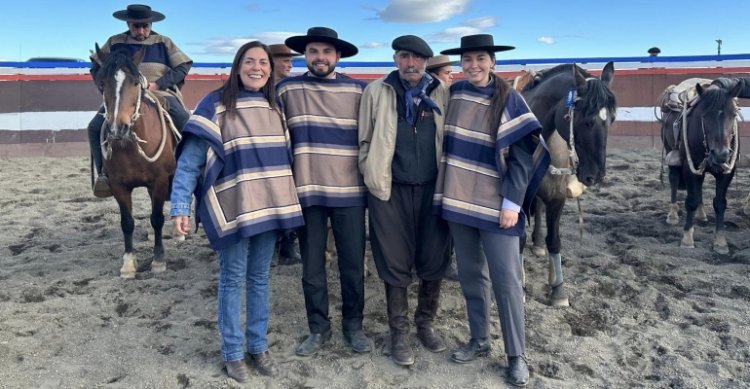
(211, 31)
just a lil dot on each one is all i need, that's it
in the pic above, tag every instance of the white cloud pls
(485, 22)
(421, 11)
(372, 45)
(547, 40)
(229, 46)
(469, 27)
(451, 35)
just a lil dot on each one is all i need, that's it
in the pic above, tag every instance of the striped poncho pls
(322, 118)
(160, 56)
(247, 186)
(474, 164)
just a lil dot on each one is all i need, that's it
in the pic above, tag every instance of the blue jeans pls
(245, 264)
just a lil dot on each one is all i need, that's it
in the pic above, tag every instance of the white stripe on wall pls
(74, 120)
(30, 121)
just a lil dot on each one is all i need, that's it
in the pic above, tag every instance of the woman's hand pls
(508, 218)
(181, 224)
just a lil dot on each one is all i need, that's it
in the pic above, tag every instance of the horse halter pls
(107, 146)
(570, 101)
(725, 167)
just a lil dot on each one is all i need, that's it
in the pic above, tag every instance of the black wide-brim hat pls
(139, 13)
(325, 35)
(478, 42)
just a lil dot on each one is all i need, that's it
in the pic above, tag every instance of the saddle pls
(675, 104)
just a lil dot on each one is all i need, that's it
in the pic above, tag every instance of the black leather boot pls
(429, 299)
(398, 304)
(100, 183)
(288, 254)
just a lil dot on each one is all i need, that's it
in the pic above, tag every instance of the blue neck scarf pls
(418, 91)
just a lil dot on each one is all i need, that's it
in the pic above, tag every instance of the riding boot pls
(100, 181)
(398, 304)
(429, 299)
(288, 254)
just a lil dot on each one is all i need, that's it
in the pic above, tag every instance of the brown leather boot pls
(238, 370)
(429, 299)
(398, 304)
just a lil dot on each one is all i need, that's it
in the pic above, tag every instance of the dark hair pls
(499, 96)
(231, 88)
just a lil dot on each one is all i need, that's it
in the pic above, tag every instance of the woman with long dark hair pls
(234, 157)
(493, 160)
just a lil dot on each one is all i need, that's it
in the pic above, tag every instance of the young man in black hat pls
(164, 66)
(401, 121)
(321, 108)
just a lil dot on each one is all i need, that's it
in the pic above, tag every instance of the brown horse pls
(137, 145)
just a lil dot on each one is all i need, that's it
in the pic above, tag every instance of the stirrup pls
(101, 187)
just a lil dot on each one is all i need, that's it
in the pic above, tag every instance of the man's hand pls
(508, 218)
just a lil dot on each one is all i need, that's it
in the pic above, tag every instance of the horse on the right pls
(703, 138)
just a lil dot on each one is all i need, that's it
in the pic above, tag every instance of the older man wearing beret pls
(401, 120)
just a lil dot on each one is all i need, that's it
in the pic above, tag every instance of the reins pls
(107, 147)
(726, 167)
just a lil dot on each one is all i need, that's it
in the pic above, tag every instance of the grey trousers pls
(487, 259)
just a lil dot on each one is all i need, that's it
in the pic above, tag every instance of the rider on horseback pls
(164, 67)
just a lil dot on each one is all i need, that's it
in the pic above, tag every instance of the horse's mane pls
(597, 94)
(117, 59)
(714, 99)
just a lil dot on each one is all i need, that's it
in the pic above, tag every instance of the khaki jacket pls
(378, 118)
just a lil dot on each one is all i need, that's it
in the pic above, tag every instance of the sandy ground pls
(644, 312)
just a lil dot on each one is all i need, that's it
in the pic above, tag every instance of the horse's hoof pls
(721, 249)
(700, 214)
(720, 243)
(129, 267)
(687, 239)
(558, 296)
(539, 251)
(158, 267)
(673, 217)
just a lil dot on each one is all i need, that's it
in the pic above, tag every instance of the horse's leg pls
(537, 235)
(558, 297)
(720, 206)
(123, 196)
(158, 194)
(746, 209)
(694, 198)
(673, 217)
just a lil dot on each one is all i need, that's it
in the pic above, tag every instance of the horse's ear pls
(580, 79)
(138, 57)
(699, 88)
(98, 56)
(608, 74)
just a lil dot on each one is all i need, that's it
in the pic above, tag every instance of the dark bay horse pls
(576, 110)
(137, 144)
(708, 142)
